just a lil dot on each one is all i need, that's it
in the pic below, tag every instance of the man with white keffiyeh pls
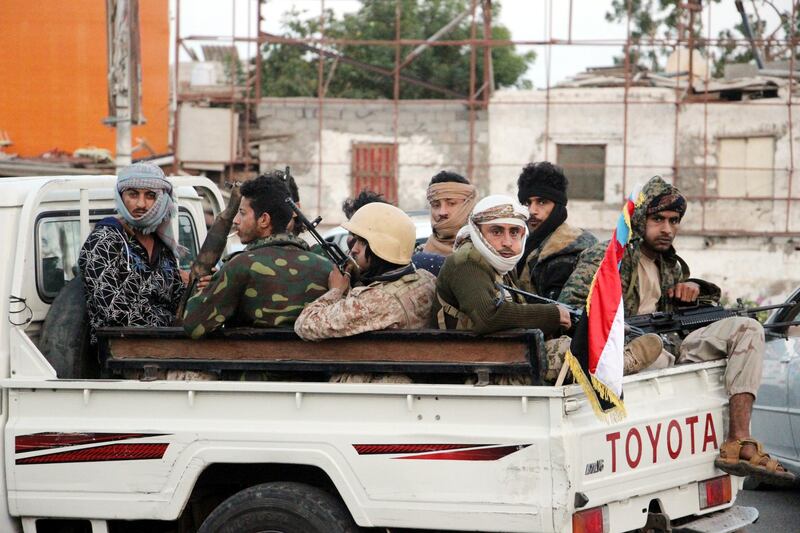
(129, 262)
(486, 251)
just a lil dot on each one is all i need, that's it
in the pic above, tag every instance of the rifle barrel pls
(334, 253)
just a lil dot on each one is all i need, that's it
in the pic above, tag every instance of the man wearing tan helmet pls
(391, 293)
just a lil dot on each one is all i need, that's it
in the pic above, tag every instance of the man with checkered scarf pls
(129, 262)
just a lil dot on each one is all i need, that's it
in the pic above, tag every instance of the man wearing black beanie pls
(553, 247)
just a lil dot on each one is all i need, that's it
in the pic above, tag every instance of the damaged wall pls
(431, 136)
(522, 130)
(518, 128)
(519, 119)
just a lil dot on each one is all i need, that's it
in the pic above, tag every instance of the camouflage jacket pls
(401, 303)
(672, 269)
(467, 298)
(548, 266)
(266, 285)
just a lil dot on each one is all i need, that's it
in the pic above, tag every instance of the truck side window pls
(57, 249)
(58, 244)
(187, 236)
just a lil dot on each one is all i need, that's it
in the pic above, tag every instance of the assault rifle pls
(343, 262)
(685, 320)
(574, 314)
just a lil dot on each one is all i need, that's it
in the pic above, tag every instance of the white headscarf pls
(495, 209)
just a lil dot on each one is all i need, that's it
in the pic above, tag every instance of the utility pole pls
(124, 74)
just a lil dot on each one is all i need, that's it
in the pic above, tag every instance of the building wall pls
(431, 136)
(53, 91)
(434, 136)
(521, 130)
(754, 267)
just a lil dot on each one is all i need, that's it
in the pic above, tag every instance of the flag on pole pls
(595, 356)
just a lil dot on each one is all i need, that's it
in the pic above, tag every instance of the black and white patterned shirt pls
(123, 288)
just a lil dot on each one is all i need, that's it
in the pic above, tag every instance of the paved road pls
(779, 508)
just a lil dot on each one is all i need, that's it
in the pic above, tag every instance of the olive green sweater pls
(467, 283)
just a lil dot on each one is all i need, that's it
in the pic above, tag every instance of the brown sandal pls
(761, 466)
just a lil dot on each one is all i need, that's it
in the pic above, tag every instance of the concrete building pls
(733, 158)
(350, 145)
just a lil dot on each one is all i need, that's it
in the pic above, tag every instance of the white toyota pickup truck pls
(297, 454)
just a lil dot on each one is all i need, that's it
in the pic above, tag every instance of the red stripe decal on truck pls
(383, 449)
(50, 440)
(107, 452)
(441, 452)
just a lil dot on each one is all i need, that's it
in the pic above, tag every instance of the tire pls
(280, 507)
(65, 334)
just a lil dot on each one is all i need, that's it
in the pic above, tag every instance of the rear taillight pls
(714, 492)
(593, 520)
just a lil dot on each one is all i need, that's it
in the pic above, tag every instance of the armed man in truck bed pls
(269, 283)
(553, 246)
(487, 250)
(392, 292)
(655, 278)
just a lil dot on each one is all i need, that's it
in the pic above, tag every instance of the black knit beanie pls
(534, 182)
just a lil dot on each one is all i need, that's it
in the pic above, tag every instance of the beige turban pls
(444, 232)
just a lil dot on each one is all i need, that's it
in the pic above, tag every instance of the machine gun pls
(343, 262)
(687, 319)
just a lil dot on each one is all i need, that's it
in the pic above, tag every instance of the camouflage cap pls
(658, 196)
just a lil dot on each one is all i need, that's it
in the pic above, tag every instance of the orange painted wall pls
(53, 91)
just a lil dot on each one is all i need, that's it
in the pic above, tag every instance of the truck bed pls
(428, 353)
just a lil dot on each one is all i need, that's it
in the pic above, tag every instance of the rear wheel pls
(65, 334)
(280, 507)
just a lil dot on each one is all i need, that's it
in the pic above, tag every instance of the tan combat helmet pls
(388, 230)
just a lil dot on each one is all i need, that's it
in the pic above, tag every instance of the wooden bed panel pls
(353, 349)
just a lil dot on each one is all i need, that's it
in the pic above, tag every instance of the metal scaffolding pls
(245, 98)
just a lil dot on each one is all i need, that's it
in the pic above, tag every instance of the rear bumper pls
(726, 521)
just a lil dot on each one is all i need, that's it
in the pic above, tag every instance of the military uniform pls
(672, 270)
(468, 298)
(549, 265)
(401, 303)
(266, 285)
(739, 339)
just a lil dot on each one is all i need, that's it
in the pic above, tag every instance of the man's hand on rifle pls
(203, 281)
(564, 318)
(337, 280)
(684, 292)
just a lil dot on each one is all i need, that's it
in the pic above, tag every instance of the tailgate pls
(676, 422)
